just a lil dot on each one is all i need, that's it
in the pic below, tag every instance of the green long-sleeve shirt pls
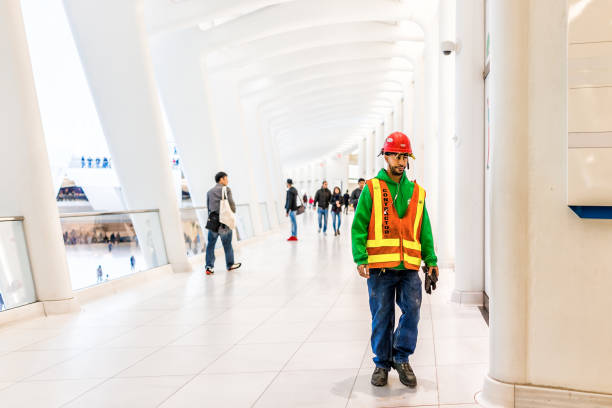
(361, 222)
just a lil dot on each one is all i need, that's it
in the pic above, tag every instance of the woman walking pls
(336, 202)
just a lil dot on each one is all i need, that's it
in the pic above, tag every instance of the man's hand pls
(287, 214)
(433, 269)
(364, 270)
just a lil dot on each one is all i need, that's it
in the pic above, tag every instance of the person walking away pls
(391, 234)
(99, 273)
(345, 200)
(311, 202)
(213, 203)
(290, 208)
(357, 192)
(336, 209)
(133, 263)
(322, 199)
(305, 200)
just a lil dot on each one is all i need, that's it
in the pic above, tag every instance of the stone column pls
(26, 179)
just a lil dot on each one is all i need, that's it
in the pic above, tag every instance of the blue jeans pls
(226, 240)
(322, 214)
(293, 223)
(385, 288)
(336, 219)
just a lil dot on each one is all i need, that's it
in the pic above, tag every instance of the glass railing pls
(194, 235)
(110, 245)
(16, 283)
(265, 216)
(244, 224)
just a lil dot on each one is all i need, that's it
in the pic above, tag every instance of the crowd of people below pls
(72, 193)
(90, 162)
(78, 237)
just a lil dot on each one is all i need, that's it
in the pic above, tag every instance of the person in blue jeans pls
(322, 199)
(336, 210)
(291, 207)
(213, 203)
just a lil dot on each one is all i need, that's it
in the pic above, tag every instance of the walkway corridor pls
(289, 329)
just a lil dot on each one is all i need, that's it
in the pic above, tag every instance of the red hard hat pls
(397, 142)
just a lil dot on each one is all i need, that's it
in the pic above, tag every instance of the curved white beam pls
(347, 92)
(348, 67)
(300, 14)
(354, 113)
(332, 106)
(165, 15)
(288, 94)
(324, 55)
(312, 37)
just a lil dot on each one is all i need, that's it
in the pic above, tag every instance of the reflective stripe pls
(377, 210)
(411, 245)
(412, 260)
(419, 213)
(384, 258)
(374, 243)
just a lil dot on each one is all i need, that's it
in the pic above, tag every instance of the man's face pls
(361, 184)
(325, 185)
(397, 163)
(223, 181)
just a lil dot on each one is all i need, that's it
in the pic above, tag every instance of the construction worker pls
(391, 235)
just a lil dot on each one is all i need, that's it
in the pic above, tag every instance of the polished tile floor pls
(289, 329)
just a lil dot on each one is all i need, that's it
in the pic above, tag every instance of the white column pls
(509, 171)
(430, 128)
(398, 117)
(418, 123)
(379, 141)
(445, 158)
(370, 156)
(469, 154)
(109, 34)
(26, 179)
(362, 158)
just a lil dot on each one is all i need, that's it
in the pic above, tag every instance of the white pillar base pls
(496, 394)
(54, 307)
(182, 267)
(467, 298)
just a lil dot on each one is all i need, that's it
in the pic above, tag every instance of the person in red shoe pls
(291, 208)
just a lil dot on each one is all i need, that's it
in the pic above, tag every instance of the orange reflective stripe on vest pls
(393, 240)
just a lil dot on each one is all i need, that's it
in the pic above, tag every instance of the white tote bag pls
(226, 215)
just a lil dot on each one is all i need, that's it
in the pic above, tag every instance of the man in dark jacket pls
(357, 193)
(346, 198)
(290, 208)
(322, 198)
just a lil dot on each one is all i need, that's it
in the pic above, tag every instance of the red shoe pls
(209, 271)
(292, 238)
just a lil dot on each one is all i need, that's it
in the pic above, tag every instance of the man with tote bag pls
(221, 222)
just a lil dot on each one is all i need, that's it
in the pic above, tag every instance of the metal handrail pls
(98, 214)
(5, 219)
(193, 208)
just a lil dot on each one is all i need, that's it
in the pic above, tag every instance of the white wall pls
(570, 262)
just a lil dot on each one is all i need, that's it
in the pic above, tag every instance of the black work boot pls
(379, 377)
(406, 375)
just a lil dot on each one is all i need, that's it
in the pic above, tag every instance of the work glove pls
(431, 278)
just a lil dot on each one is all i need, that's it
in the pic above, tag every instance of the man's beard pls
(396, 172)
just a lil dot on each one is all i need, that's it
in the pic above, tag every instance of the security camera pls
(447, 47)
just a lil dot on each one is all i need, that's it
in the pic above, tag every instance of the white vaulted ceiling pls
(317, 72)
